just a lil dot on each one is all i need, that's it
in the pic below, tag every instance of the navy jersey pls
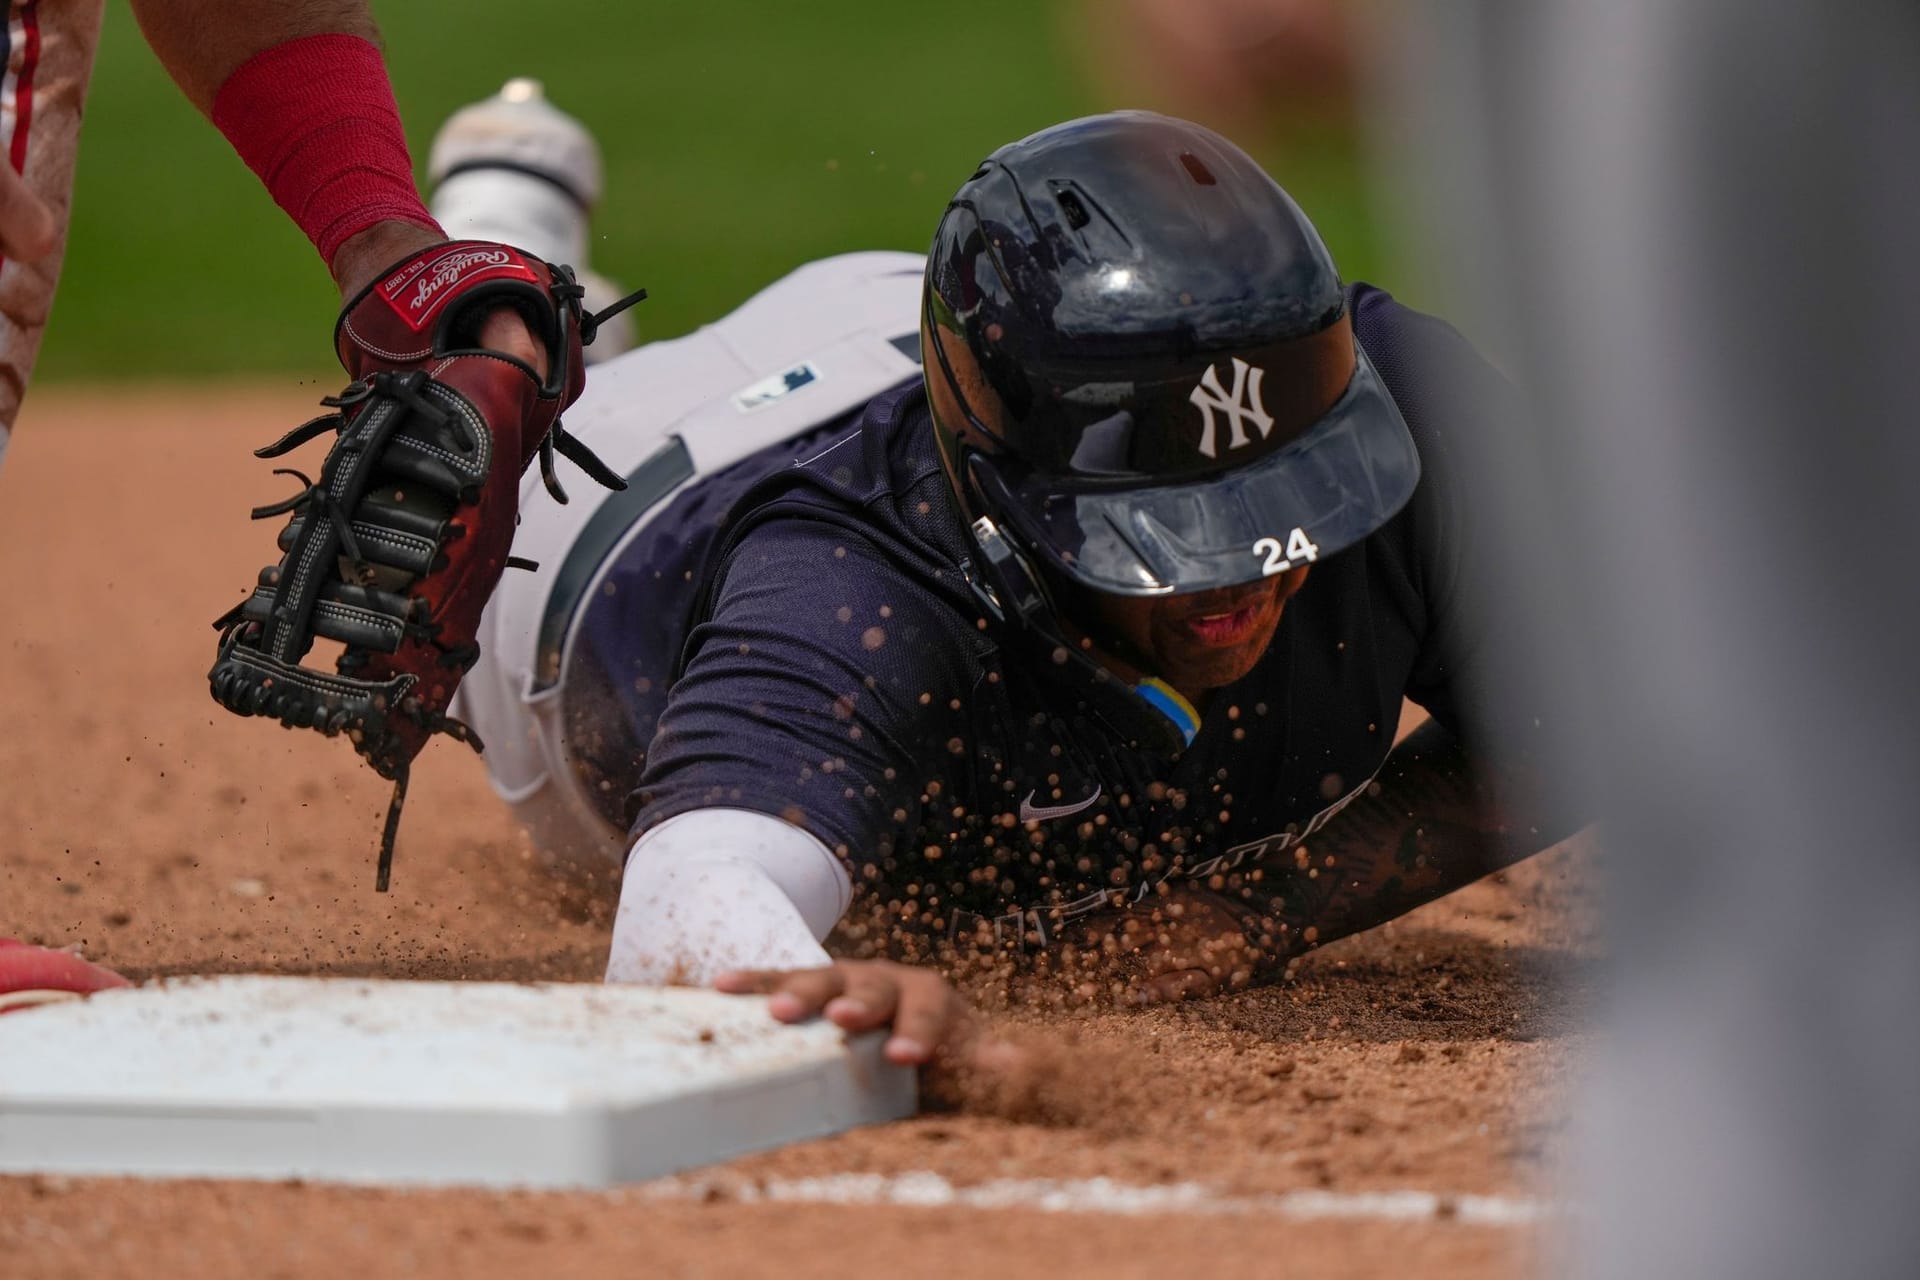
(818, 655)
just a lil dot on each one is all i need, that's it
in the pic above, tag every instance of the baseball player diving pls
(1050, 599)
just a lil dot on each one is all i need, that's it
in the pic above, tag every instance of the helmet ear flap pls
(1151, 715)
(1004, 578)
(1013, 592)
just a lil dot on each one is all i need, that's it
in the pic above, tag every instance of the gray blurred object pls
(516, 169)
(1696, 228)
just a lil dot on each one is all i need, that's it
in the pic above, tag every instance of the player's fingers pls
(749, 982)
(504, 331)
(27, 229)
(803, 993)
(870, 1000)
(931, 1020)
(797, 994)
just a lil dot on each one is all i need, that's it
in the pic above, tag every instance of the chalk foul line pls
(1102, 1196)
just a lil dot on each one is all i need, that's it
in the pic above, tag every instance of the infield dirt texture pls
(168, 837)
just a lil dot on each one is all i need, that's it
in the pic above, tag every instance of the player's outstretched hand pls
(931, 1024)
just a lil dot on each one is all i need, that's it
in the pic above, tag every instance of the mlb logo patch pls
(776, 388)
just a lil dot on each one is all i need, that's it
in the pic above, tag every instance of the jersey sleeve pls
(825, 687)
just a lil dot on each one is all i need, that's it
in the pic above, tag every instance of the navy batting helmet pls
(1142, 372)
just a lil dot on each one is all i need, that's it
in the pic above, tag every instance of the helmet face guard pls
(1320, 492)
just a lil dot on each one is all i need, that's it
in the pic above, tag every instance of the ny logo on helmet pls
(1241, 405)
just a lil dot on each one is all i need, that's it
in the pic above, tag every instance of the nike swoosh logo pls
(1031, 812)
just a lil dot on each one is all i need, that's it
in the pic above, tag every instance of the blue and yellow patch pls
(1165, 699)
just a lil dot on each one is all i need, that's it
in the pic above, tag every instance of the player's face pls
(1197, 642)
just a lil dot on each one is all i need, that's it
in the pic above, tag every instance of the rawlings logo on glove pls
(394, 550)
(431, 280)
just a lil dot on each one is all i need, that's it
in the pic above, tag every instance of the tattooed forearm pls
(1431, 826)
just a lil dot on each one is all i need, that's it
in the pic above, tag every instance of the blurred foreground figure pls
(1707, 214)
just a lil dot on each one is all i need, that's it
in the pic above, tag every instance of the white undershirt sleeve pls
(719, 889)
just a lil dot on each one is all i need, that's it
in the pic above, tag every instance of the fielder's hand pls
(362, 258)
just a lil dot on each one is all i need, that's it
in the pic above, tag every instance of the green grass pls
(742, 137)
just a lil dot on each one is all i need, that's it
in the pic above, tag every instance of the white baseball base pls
(426, 1083)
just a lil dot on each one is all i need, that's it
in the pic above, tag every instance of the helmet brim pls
(1339, 481)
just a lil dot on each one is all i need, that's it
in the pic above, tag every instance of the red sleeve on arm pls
(315, 119)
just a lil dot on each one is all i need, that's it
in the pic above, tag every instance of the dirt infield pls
(165, 836)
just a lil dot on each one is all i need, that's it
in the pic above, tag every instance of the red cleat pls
(31, 975)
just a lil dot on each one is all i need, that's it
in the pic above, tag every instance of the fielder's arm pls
(203, 43)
